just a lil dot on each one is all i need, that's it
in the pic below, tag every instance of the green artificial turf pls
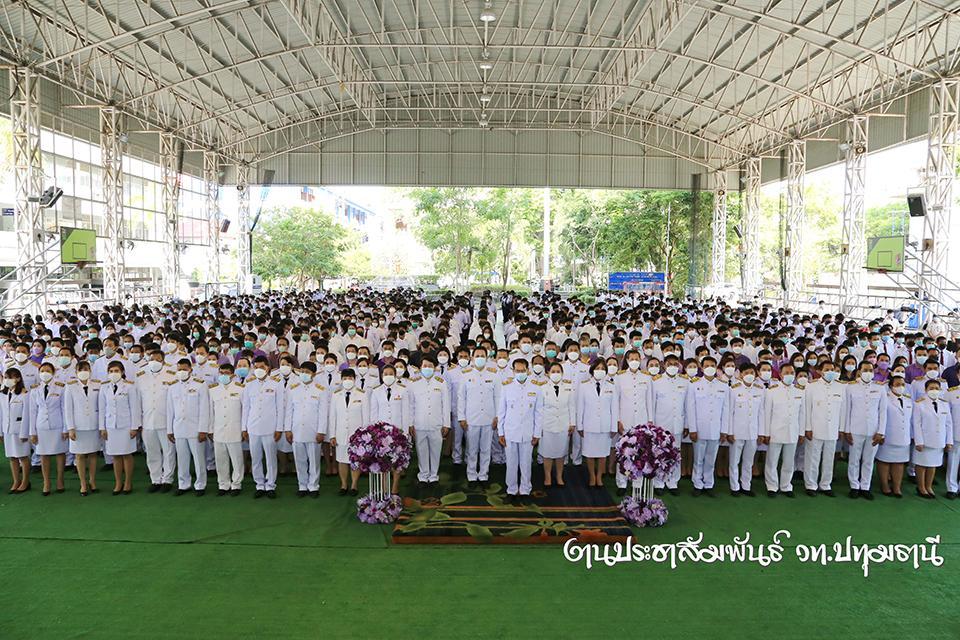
(159, 566)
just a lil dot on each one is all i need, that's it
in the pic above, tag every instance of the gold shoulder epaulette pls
(440, 378)
(140, 373)
(59, 384)
(320, 387)
(507, 381)
(212, 385)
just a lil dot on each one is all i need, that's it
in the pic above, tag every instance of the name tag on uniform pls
(531, 393)
(355, 402)
(234, 395)
(268, 390)
(191, 391)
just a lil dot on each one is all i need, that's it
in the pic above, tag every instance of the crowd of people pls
(277, 383)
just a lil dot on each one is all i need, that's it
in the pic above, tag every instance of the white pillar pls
(546, 234)
(211, 177)
(28, 183)
(111, 154)
(941, 175)
(796, 218)
(169, 147)
(853, 248)
(718, 261)
(244, 268)
(752, 282)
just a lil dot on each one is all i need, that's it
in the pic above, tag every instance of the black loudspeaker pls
(917, 205)
(224, 225)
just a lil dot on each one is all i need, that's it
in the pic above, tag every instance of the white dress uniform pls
(783, 422)
(633, 390)
(28, 369)
(519, 420)
(120, 413)
(826, 419)
(559, 414)
(286, 382)
(744, 420)
(262, 418)
(668, 406)
(706, 414)
(933, 429)
(307, 412)
(14, 423)
(478, 396)
(349, 411)
(160, 452)
(896, 440)
(577, 371)
(598, 408)
(98, 370)
(953, 459)
(188, 415)
(46, 418)
(866, 415)
(225, 425)
(429, 401)
(388, 403)
(454, 377)
(81, 413)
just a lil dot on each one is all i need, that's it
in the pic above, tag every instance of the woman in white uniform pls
(559, 421)
(120, 416)
(894, 452)
(596, 422)
(81, 416)
(932, 434)
(46, 425)
(13, 413)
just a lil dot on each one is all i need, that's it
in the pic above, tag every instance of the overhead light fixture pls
(487, 15)
(485, 63)
(485, 97)
(483, 120)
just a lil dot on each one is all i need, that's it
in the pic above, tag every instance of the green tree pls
(298, 245)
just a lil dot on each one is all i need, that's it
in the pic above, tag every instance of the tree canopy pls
(300, 245)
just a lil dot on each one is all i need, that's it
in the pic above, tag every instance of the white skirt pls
(14, 447)
(893, 453)
(596, 444)
(50, 442)
(119, 442)
(929, 457)
(342, 455)
(554, 444)
(86, 442)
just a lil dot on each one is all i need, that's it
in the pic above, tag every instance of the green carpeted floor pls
(158, 566)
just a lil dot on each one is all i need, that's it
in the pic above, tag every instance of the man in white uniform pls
(226, 400)
(519, 426)
(153, 382)
(188, 416)
(307, 412)
(825, 398)
(479, 396)
(429, 401)
(262, 419)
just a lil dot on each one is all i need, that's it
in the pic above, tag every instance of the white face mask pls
(136, 357)
(260, 373)
(154, 366)
(899, 390)
(691, 372)
(525, 347)
(9, 383)
(463, 362)
(729, 371)
(766, 375)
(866, 376)
(538, 368)
(83, 376)
(633, 365)
(285, 369)
(599, 374)
(612, 369)
(201, 359)
(183, 375)
(572, 355)
(20, 357)
(709, 371)
(502, 363)
(347, 384)
(556, 377)
(672, 370)
(330, 367)
(749, 378)
(442, 359)
(387, 353)
(933, 394)
(654, 371)
(389, 380)
(114, 376)
(46, 376)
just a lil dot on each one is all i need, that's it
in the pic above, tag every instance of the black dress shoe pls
(342, 492)
(179, 492)
(47, 493)
(165, 487)
(200, 492)
(221, 492)
(301, 494)
(696, 493)
(866, 495)
(353, 492)
(117, 492)
(811, 493)
(951, 495)
(61, 490)
(734, 494)
(709, 493)
(789, 494)
(234, 492)
(272, 494)
(674, 492)
(748, 492)
(829, 493)
(898, 495)
(127, 492)
(314, 494)
(153, 488)
(854, 494)
(259, 493)
(83, 494)
(94, 490)
(771, 494)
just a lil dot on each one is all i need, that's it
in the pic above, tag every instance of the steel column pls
(211, 178)
(941, 174)
(719, 254)
(171, 229)
(853, 250)
(752, 281)
(796, 218)
(111, 153)
(28, 183)
(244, 268)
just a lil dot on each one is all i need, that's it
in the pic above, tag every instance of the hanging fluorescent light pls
(485, 63)
(483, 120)
(487, 15)
(485, 97)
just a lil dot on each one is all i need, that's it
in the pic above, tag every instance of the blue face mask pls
(426, 372)
(224, 378)
(830, 376)
(619, 351)
(92, 357)
(551, 353)
(243, 371)
(522, 377)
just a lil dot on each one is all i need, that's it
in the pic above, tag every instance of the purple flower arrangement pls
(644, 513)
(372, 510)
(378, 448)
(647, 451)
